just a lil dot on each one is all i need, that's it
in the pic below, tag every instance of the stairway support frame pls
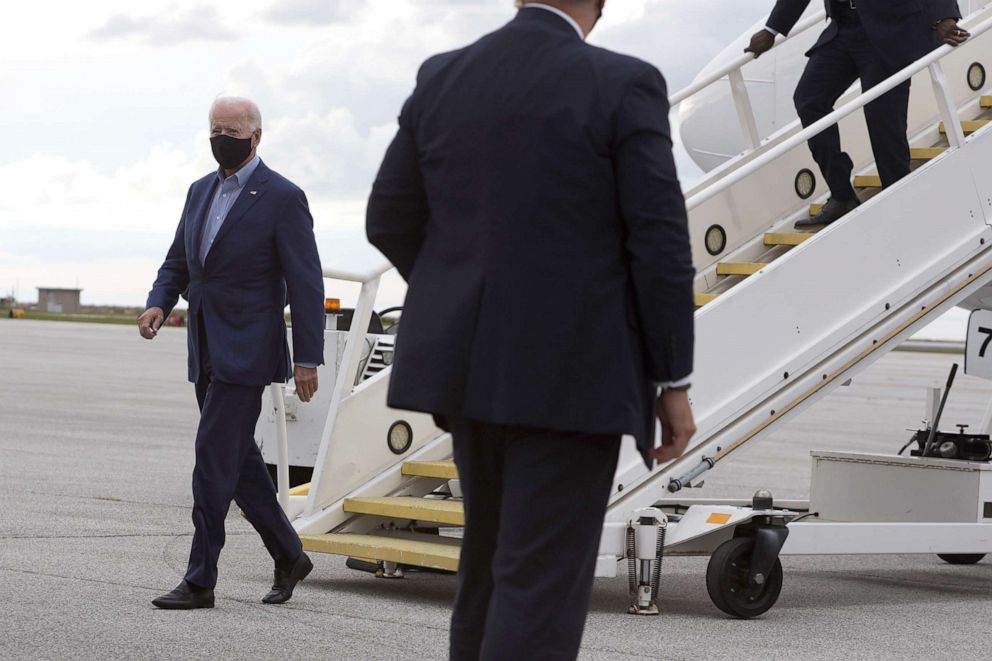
(945, 101)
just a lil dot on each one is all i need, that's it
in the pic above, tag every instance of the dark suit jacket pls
(530, 200)
(900, 30)
(264, 248)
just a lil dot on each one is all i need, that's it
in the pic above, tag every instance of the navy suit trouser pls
(534, 507)
(229, 466)
(831, 70)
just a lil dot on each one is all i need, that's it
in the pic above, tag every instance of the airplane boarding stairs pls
(784, 317)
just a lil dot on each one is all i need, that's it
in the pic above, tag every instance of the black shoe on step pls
(286, 579)
(186, 597)
(832, 211)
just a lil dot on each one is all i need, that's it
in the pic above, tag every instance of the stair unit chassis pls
(815, 312)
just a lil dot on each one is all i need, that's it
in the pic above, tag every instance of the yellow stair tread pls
(986, 101)
(703, 299)
(444, 470)
(926, 153)
(435, 510)
(867, 181)
(300, 490)
(739, 268)
(418, 550)
(968, 126)
(785, 238)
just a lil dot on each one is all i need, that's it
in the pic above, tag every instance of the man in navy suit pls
(530, 200)
(244, 249)
(870, 40)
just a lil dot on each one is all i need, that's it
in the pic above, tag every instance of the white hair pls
(252, 112)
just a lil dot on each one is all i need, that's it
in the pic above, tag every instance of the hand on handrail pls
(761, 42)
(950, 33)
(713, 76)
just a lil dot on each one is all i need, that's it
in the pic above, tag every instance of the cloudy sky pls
(103, 113)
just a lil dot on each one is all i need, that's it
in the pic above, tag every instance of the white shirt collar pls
(554, 10)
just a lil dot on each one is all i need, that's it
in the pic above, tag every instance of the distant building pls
(7, 302)
(51, 299)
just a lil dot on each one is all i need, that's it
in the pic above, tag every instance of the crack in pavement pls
(106, 499)
(78, 578)
(116, 535)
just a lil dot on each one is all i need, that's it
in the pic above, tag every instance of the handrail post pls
(713, 76)
(282, 441)
(345, 383)
(948, 109)
(745, 111)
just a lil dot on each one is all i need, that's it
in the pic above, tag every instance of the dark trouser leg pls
(829, 73)
(550, 490)
(886, 117)
(256, 496)
(227, 425)
(479, 457)
(229, 466)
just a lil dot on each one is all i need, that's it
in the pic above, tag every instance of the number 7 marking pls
(985, 344)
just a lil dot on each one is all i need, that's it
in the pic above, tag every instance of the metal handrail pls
(344, 382)
(930, 60)
(737, 64)
(358, 276)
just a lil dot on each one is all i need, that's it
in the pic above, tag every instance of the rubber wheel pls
(961, 558)
(727, 578)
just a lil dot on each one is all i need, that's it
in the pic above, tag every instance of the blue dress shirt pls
(225, 196)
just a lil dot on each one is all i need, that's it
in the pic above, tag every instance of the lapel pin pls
(251, 192)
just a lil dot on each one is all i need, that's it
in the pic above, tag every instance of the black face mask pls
(230, 152)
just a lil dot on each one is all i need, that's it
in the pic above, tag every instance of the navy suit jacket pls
(900, 30)
(530, 200)
(264, 250)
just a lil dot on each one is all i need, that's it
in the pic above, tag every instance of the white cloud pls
(312, 12)
(325, 153)
(53, 191)
(200, 23)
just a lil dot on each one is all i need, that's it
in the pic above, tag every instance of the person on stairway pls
(868, 40)
(244, 248)
(531, 201)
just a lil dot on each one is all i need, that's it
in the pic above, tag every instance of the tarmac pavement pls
(96, 430)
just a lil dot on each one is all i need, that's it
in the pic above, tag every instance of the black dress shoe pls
(286, 579)
(186, 597)
(833, 210)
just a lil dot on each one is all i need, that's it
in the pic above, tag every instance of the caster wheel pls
(363, 564)
(727, 580)
(961, 558)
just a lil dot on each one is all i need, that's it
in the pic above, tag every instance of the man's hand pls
(949, 32)
(677, 425)
(149, 322)
(306, 382)
(761, 42)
